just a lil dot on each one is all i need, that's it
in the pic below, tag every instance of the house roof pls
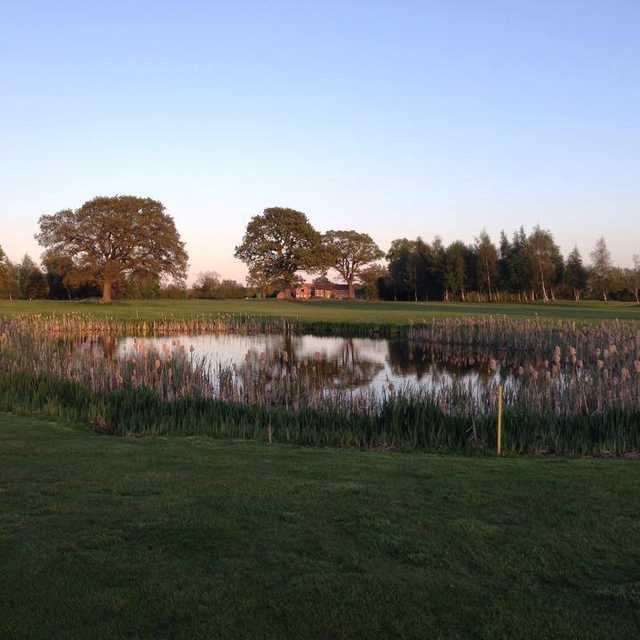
(332, 286)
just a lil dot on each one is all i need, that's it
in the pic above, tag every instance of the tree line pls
(521, 268)
(129, 247)
(281, 243)
(55, 280)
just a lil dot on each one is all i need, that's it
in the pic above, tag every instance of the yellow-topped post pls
(499, 434)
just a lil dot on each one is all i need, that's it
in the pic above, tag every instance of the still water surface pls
(338, 363)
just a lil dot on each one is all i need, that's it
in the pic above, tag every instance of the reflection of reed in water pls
(421, 359)
(407, 357)
(289, 371)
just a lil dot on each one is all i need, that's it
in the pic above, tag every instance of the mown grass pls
(373, 313)
(104, 537)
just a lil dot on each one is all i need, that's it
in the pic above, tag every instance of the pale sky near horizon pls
(394, 118)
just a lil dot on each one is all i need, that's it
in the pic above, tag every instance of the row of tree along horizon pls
(129, 247)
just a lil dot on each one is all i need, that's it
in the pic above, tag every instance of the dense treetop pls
(107, 238)
(349, 253)
(278, 244)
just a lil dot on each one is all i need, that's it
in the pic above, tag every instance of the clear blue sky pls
(395, 118)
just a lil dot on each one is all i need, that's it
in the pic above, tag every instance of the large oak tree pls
(277, 245)
(349, 252)
(111, 238)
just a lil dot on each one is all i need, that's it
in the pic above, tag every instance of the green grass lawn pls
(103, 537)
(328, 311)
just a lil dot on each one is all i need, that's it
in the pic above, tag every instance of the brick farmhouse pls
(310, 290)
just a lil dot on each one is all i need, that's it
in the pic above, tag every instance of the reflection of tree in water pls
(280, 363)
(297, 371)
(97, 346)
(408, 357)
(289, 366)
(413, 358)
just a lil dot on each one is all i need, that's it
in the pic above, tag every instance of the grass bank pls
(405, 422)
(195, 538)
(325, 312)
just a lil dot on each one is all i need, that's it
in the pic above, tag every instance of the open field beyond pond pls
(106, 537)
(396, 313)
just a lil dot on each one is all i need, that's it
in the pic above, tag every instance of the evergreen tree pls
(31, 281)
(456, 269)
(436, 270)
(504, 263)
(486, 256)
(401, 269)
(575, 274)
(422, 261)
(516, 266)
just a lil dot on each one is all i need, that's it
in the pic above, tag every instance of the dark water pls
(339, 363)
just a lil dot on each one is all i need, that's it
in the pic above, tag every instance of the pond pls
(334, 363)
(566, 388)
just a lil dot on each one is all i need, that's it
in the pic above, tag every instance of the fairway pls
(341, 312)
(110, 537)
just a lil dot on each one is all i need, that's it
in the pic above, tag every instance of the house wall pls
(303, 292)
(306, 292)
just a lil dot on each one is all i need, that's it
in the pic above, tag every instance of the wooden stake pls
(269, 433)
(499, 435)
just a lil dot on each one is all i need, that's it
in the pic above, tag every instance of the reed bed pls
(576, 392)
(496, 331)
(86, 325)
(79, 324)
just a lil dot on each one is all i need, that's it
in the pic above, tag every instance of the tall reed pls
(493, 330)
